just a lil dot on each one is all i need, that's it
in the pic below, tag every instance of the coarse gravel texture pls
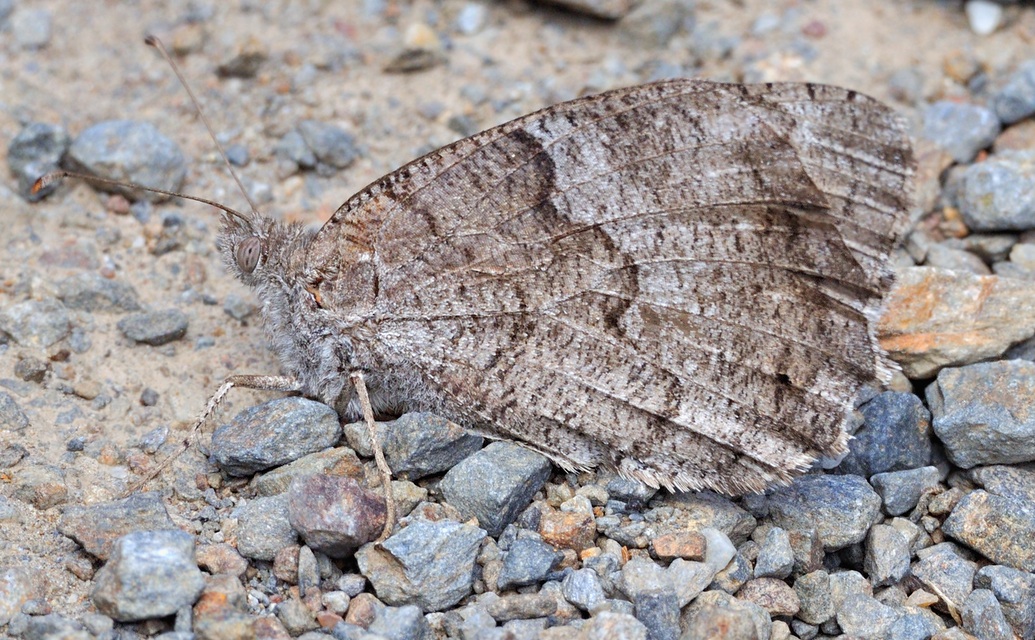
(118, 320)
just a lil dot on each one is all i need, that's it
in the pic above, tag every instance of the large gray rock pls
(841, 509)
(495, 484)
(274, 433)
(130, 151)
(982, 412)
(429, 564)
(999, 528)
(151, 574)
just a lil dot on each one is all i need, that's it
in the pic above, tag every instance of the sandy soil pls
(97, 68)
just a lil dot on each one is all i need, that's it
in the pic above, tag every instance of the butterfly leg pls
(260, 383)
(379, 456)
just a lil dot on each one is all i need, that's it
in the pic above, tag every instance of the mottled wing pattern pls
(674, 279)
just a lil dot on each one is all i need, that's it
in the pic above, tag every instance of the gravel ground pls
(117, 321)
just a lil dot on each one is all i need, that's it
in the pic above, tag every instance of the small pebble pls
(130, 151)
(34, 152)
(984, 16)
(32, 28)
(154, 327)
(962, 129)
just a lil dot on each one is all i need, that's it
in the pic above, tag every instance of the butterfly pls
(676, 281)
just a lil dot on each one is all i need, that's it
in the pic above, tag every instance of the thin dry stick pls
(379, 456)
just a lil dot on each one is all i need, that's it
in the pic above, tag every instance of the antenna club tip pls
(45, 181)
(151, 40)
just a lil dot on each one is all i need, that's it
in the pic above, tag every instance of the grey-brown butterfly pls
(677, 281)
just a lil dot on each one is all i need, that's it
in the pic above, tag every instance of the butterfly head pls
(244, 243)
(257, 249)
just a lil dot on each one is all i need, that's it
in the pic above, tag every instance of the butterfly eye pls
(247, 254)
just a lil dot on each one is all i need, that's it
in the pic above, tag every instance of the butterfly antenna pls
(50, 178)
(153, 41)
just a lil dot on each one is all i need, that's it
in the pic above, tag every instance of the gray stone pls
(714, 621)
(495, 484)
(32, 28)
(154, 327)
(816, 605)
(999, 528)
(527, 562)
(775, 556)
(417, 444)
(651, 25)
(150, 574)
(632, 492)
(983, 617)
(684, 578)
(41, 485)
(93, 292)
(887, 555)
(847, 583)
(274, 433)
(607, 625)
(52, 627)
(238, 308)
(840, 508)
(293, 149)
(1015, 591)
(471, 18)
(18, 585)
(689, 578)
(901, 490)
(775, 596)
(308, 570)
(896, 435)
(582, 588)
(915, 624)
(701, 510)
(296, 617)
(400, 623)
(658, 610)
(981, 412)
(263, 527)
(130, 151)
(429, 564)
(36, 324)
(12, 418)
(335, 515)
(1016, 100)
(34, 152)
(861, 616)
(961, 129)
(944, 572)
(332, 146)
(734, 575)
(997, 194)
(96, 527)
(760, 617)
(1016, 482)
(521, 606)
(946, 257)
(335, 461)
